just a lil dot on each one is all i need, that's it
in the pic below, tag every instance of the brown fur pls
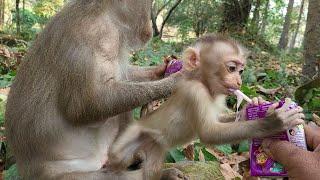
(196, 106)
(74, 92)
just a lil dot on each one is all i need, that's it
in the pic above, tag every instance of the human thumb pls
(284, 152)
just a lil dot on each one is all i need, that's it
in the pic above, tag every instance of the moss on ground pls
(198, 170)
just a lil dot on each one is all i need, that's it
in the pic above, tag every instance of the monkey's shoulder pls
(190, 87)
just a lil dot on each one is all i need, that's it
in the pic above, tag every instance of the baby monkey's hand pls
(281, 119)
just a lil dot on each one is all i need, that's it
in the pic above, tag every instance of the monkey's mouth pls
(231, 91)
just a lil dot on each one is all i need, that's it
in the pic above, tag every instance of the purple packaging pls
(260, 163)
(173, 67)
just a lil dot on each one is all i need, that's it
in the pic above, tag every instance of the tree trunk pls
(168, 16)
(2, 9)
(157, 32)
(294, 37)
(235, 15)
(23, 10)
(256, 15)
(265, 18)
(18, 17)
(154, 16)
(154, 25)
(312, 43)
(283, 43)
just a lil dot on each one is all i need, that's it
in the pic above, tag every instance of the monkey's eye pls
(232, 68)
(240, 72)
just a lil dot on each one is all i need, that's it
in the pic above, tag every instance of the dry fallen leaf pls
(231, 159)
(247, 176)
(201, 156)
(5, 91)
(231, 163)
(156, 104)
(316, 119)
(228, 172)
(5, 52)
(189, 152)
(268, 91)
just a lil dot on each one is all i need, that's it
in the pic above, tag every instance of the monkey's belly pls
(86, 150)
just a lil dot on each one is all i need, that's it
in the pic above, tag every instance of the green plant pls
(45, 9)
(311, 102)
(6, 80)
(12, 173)
(153, 53)
(30, 19)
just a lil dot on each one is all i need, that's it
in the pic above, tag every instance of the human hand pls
(300, 164)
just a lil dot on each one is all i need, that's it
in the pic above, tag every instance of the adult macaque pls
(196, 105)
(73, 94)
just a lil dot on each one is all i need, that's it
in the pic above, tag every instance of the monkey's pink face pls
(220, 65)
(234, 67)
(224, 71)
(226, 75)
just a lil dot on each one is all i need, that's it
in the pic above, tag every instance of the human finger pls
(312, 136)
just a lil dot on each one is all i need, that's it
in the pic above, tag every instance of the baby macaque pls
(196, 108)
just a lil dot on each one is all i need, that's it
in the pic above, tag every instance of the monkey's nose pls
(239, 85)
(239, 82)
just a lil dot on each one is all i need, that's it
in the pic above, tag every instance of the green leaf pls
(197, 147)
(177, 155)
(248, 91)
(226, 149)
(308, 96)
(248, 76)
(315, 103)
(308, 115)
(136, 113)
(244, 146)
(12, 73)
(12, 173)
(208, 156)
(169, 158)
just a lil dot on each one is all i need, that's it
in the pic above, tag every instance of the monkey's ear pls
(191, 58)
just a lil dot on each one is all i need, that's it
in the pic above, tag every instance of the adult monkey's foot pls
(173, 174)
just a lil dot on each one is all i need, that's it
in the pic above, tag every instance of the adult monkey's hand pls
(300, 164)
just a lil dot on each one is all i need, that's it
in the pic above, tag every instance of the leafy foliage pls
(270, 73)
(196, 16)
(46, 9)
(29, 20)
(12, 173)
(6, 80)
(154, 53)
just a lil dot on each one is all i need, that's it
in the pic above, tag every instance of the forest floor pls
(271, 75)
